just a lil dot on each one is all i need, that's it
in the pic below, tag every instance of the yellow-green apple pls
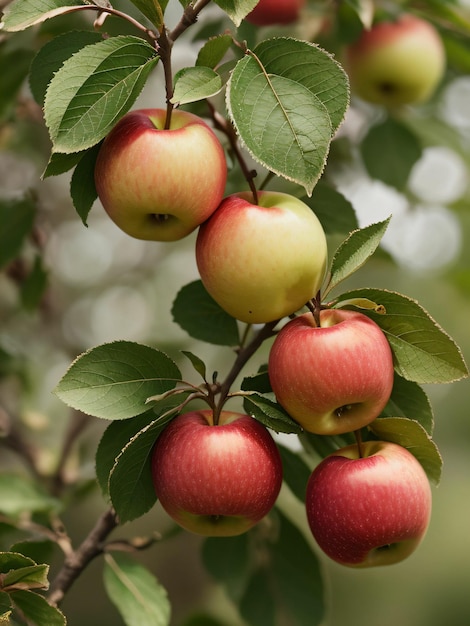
(333, 378)
(396, 62)
(263, 261)
(160, 184)
(269, 12)
(216, 480)
(370, 510)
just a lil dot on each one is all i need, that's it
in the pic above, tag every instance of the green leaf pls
(411, 435)
(233, 569)
(334, 211)
(115, 438)
(114, 380)
(408, 399)
(14, 68)
(284, 126)
(130, 482)
(197, 363)
(23, 13)
(237, 9)
(307, 64)
(389, 151)
(60, 163)
(34, 285)
(295, 472)
(136, 593)
(5, 608)
(195, 83)
(202, 318)
(153, 10)
(51, 57)
(26, 578)
(423, 351)
(213, 51)
(258, 604)
(80, 107)
(270, 414)
(82, 185)
(258, 382)
(359, 246)
(37, 610)
(19, 495)
(13, 560)
(16, 222)
(298, 576)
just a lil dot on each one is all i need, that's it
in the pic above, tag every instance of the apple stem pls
(315, 306)
(358, 436)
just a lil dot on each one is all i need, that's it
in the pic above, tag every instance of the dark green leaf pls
(153, 10)
(137, 594)
(258, 604)
(389, 150)
(26, 578)
(295, 472)
(13, 560)
(82, 185)
(408, 399)
(16, 221)
(423, 351)
(80, 108)
(236, 9)
(37, 610)
(60, 163)
(197, 363)
(115, 380)
(130, 482)
(411, 435)
(52, 55)
(34, 285)
(233, 568)
(259, 382)
(201, 317)
(5, 607)
(270, 414)
(14, 68)
(334, 211)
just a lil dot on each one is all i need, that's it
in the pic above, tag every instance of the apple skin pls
(261, 262)
(396, 63)
(158, 184)
(216, 480)
(335, 378)
(270, 12)
(369, 511)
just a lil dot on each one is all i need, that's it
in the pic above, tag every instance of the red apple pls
(269, 12)
(396, 63)
(160, 184)
(369, 511)
(263, 261)
(216, 480)
(333, 378)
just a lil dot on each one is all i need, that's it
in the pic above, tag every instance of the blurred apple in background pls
(369, 511)
(216, 480)
(269, 12)
(261, 262)
(333, 378)
(396, 62)
(159, 184)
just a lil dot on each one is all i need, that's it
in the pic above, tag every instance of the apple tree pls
(247, 161)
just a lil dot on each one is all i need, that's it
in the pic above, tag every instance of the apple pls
(269, 12)
(396, 62)
(216, 480)
(159, 184)
(370, 510)
(333, 378)
(261, 262)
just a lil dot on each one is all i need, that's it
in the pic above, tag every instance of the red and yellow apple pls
(333, 378)
(216, 480)
(160, 184)
(396, 62)
(370, 510)
(261, 262)
(269, 12)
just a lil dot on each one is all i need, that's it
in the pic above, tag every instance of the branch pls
(76, 562)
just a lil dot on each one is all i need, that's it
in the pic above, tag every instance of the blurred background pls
(102, 286)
